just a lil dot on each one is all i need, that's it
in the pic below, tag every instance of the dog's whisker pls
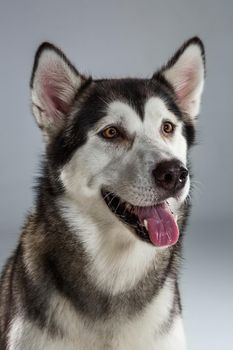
(108, 194)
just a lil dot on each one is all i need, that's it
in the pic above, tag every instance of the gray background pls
(117, 38)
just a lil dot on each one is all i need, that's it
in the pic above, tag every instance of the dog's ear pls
(185, 72)
(54, 85)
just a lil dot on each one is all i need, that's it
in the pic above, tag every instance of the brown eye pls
(168, 128)
(110, 133)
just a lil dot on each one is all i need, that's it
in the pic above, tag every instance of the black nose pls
(170, 175)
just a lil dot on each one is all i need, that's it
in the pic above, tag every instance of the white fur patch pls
(143, 331)
(175, 339)
(24, 335)
(175, 147)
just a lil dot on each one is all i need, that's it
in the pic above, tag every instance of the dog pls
(97, 264)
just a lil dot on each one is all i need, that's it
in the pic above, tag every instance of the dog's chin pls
(154, 224)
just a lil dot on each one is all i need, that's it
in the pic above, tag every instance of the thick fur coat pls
(94, 268)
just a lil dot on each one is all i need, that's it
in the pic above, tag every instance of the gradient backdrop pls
(131, 37)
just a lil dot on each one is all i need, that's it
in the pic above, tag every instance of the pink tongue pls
(161, 225)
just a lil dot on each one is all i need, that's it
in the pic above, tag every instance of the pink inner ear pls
(187, 83)
(53, 94)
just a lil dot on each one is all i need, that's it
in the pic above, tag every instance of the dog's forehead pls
(154, 109)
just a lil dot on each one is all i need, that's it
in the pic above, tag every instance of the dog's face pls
(119, 147)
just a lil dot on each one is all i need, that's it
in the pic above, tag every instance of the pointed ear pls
(54, 85)
(185, 72)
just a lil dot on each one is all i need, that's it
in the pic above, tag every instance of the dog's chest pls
(142, 331)
(120, 332)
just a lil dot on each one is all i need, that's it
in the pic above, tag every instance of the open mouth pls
(154, 224)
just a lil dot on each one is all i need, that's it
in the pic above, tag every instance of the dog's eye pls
(110, 132)
(168, 128)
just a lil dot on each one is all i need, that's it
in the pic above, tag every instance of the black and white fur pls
(80, 278)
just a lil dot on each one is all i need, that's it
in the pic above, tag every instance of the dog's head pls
(119, 146)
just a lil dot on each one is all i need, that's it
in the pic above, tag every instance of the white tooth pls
(145, 224)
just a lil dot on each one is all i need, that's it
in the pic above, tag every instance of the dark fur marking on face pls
(97, 96)
(163, 89)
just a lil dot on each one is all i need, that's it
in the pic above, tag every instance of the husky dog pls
(97, 263)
